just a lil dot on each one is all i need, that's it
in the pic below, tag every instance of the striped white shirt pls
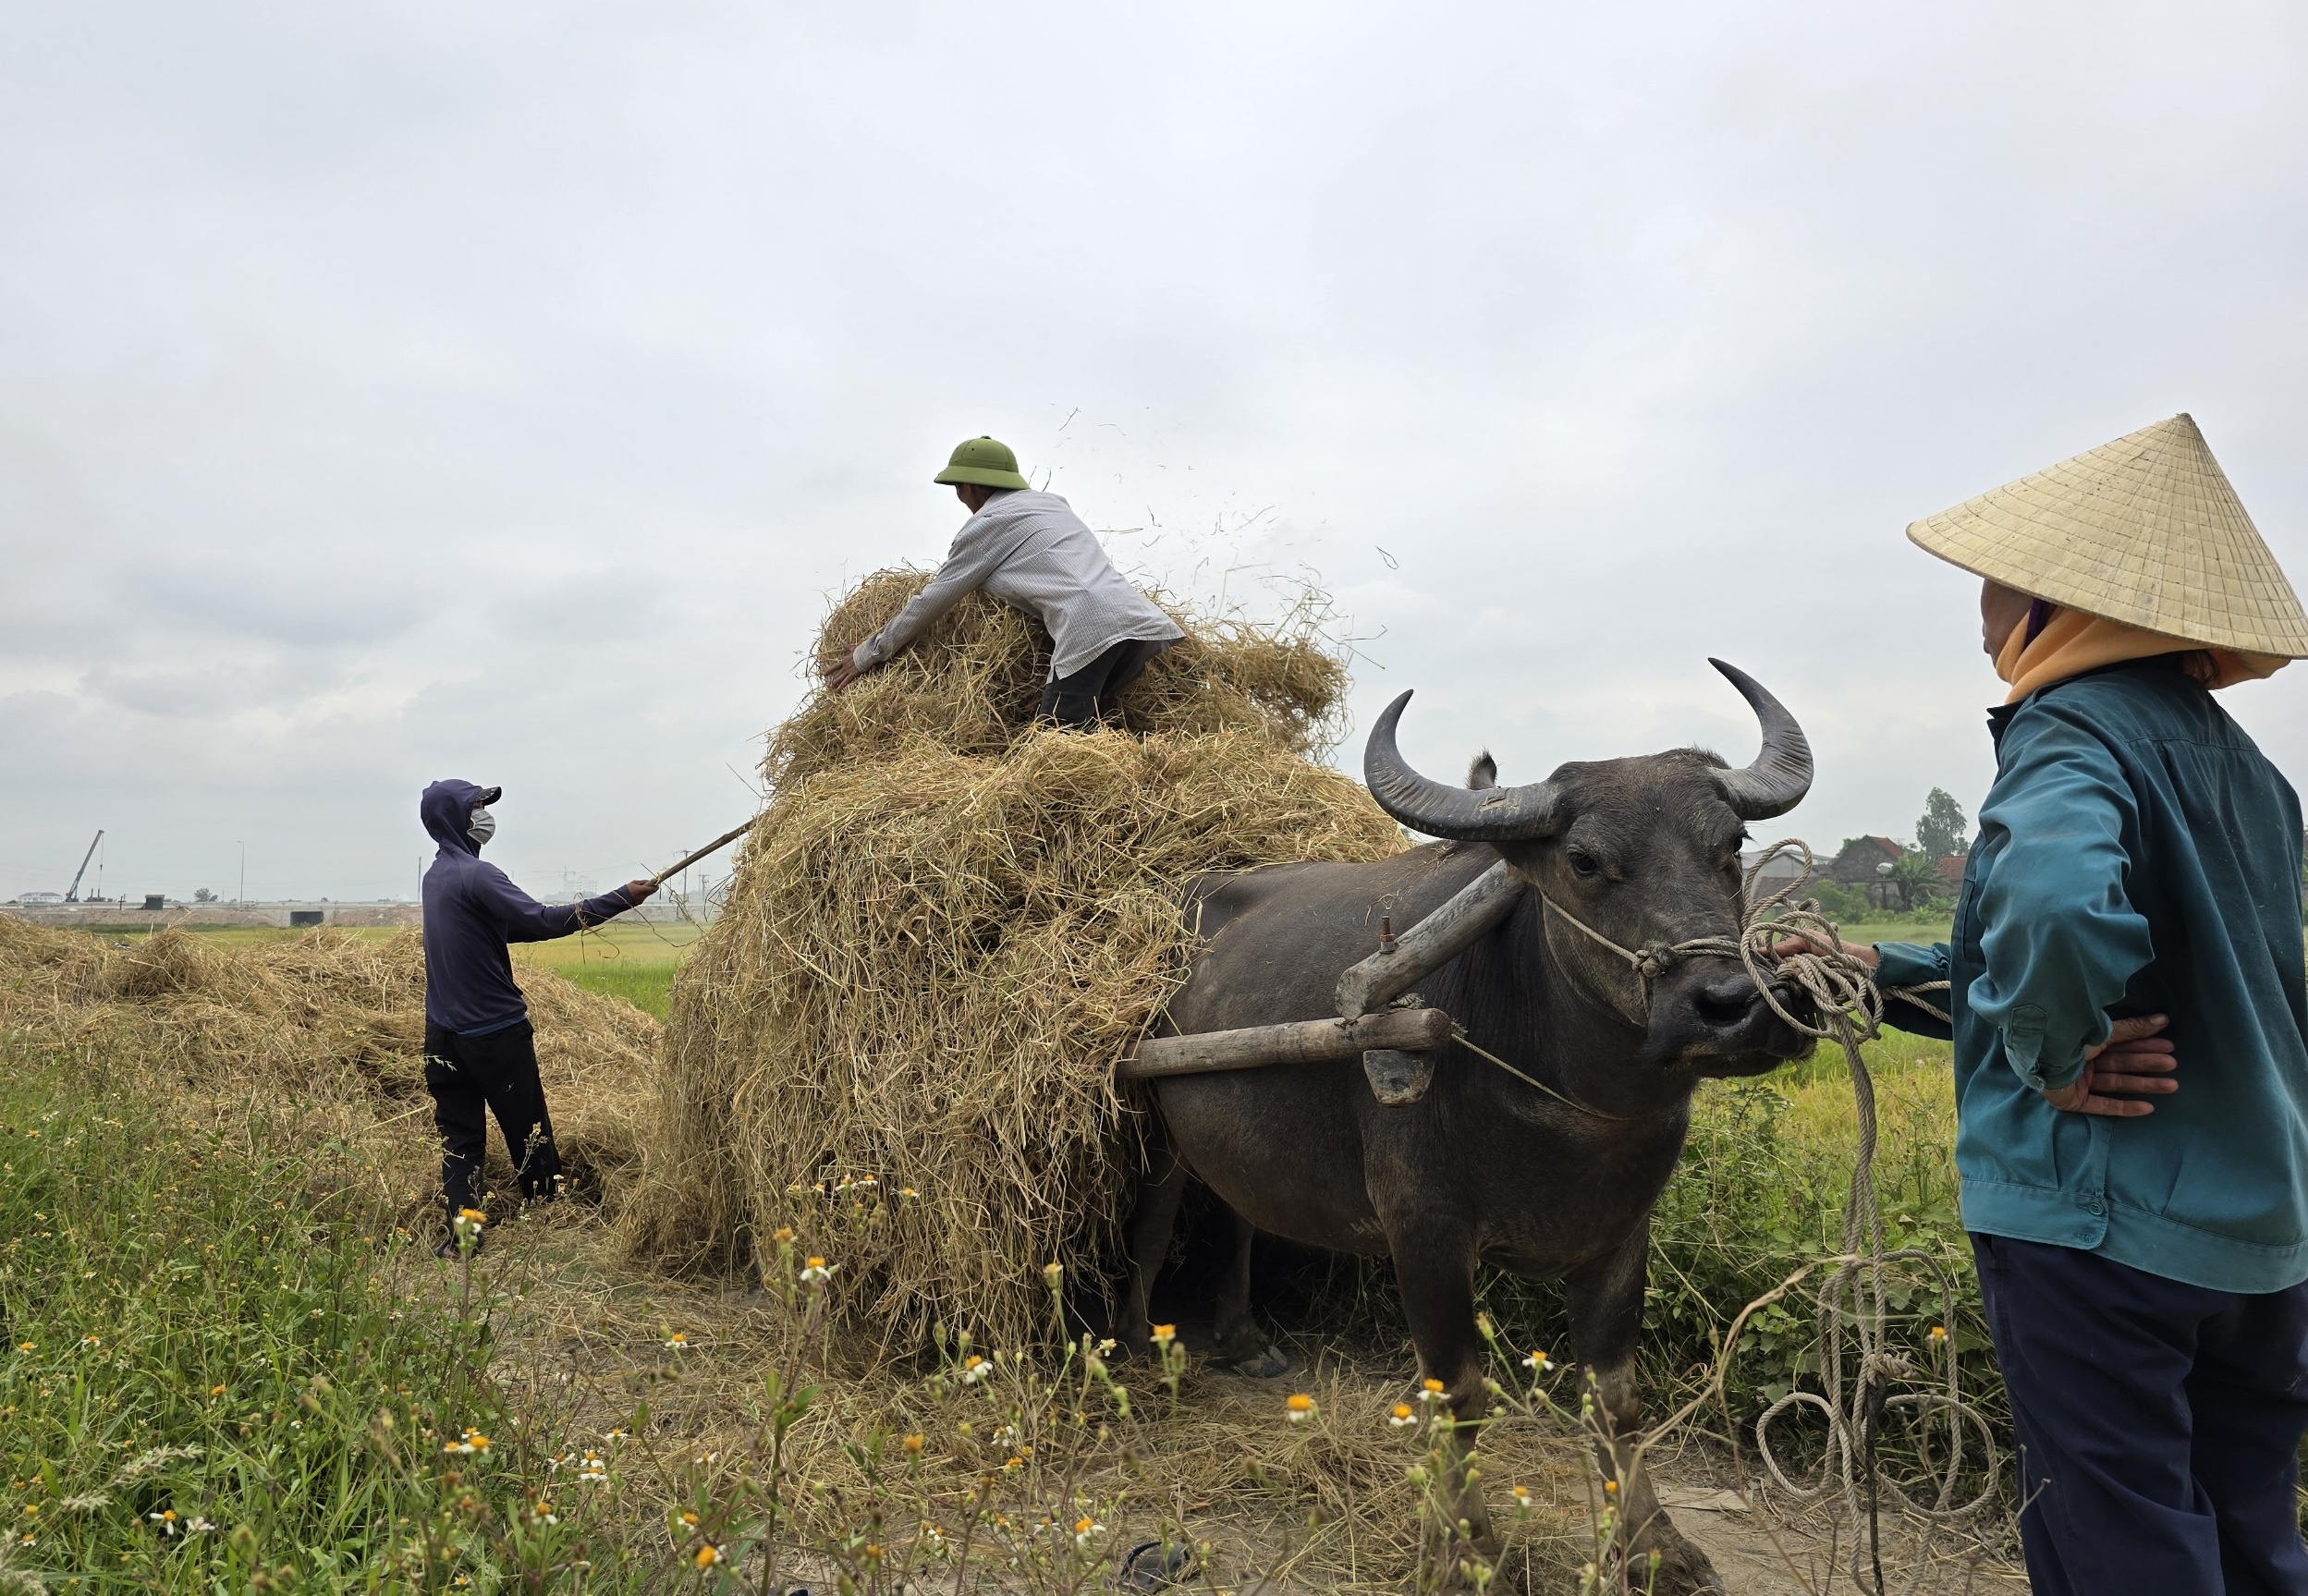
(1030, 551)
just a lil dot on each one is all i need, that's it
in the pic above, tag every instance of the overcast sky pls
(398, 391)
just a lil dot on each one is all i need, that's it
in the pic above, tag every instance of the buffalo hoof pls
(1270, 1364)
(1683, 1568)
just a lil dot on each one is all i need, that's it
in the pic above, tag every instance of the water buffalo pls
(1552, 1181)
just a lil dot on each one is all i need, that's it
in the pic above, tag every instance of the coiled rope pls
(1846, 1008)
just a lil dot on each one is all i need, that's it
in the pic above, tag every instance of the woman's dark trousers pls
(471, 1077)
(1082, 701)
(2158, 1425)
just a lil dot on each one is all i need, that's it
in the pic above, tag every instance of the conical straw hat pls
(2144, 530)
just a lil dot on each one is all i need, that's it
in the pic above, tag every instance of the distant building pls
(1863, 861)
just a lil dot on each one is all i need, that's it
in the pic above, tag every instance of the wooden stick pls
(1410, 1029)
(715, 845)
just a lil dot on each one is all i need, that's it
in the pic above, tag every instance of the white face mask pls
(483, 826)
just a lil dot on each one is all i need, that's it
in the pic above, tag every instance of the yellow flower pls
(1300, 1407)
(913, 1446)
(1538, 1364)
(708, 1555)
(215, 1391)
(678, 1342)
(1402, 1417)
(782, 1236)
(1165, 1333)
(1431, 1387)
(1939, 1332)
(472, 1216)
(1610, 1487)
(816, 1272)
(689, 1519)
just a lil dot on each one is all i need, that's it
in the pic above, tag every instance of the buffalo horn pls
(1776, 782)
(1492, 814)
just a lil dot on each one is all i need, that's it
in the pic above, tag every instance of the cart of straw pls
(898, 1041)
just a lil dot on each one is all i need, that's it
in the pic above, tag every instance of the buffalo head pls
(1642, 853)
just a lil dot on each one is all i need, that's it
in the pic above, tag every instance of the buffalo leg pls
(1150, 1227)
(1605, 1302)
(1436, 1275)
(1240, 1342)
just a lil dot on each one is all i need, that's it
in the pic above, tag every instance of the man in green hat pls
(1029, 549)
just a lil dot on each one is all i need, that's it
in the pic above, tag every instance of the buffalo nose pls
(1727, 1002)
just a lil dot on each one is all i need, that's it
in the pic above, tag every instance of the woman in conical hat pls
(2131, 1024)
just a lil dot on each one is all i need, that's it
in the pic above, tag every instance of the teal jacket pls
(2137, 855)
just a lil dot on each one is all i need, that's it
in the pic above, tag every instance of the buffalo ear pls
(1483, 775)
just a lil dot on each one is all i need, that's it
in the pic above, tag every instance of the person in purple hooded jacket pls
(481, 1051)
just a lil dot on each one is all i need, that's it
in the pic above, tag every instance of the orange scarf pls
(2073, 643)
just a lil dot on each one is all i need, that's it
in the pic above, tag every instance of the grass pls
(634, 960)
(197, 1350)
(1925, 929)
(222, 1375)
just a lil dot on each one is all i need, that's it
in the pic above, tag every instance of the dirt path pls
(1773, 1554)
(1285, 1508)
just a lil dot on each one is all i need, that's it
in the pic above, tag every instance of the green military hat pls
(985, 462)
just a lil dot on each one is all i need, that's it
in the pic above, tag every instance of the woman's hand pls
(842, 674)
(2134, 1058)
(1787, 947)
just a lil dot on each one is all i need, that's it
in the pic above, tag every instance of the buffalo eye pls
(1582, 864)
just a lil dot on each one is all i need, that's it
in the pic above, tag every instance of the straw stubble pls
(324, 1030)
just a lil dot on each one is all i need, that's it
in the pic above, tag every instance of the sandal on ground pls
(1153, 1565)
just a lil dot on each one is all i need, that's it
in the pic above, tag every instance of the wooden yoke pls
(1307, 1042)
(1430, 944)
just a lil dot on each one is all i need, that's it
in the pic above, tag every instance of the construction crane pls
(73, 895)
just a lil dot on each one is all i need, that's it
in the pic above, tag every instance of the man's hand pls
(2134, 1058)
(641, 891)
(842, 674)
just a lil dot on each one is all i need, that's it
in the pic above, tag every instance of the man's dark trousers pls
(2158, 1425)
(1083, 700)
(470, 1077)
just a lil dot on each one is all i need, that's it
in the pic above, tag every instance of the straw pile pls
(898, 1041)
(325, 1027)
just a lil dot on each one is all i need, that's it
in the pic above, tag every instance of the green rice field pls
(634, 961)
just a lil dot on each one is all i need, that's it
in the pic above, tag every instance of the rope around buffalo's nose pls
(1847, 1008)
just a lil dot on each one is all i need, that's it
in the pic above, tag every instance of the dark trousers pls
(2158, 1425)
(471, 1077)
(1083, 700)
